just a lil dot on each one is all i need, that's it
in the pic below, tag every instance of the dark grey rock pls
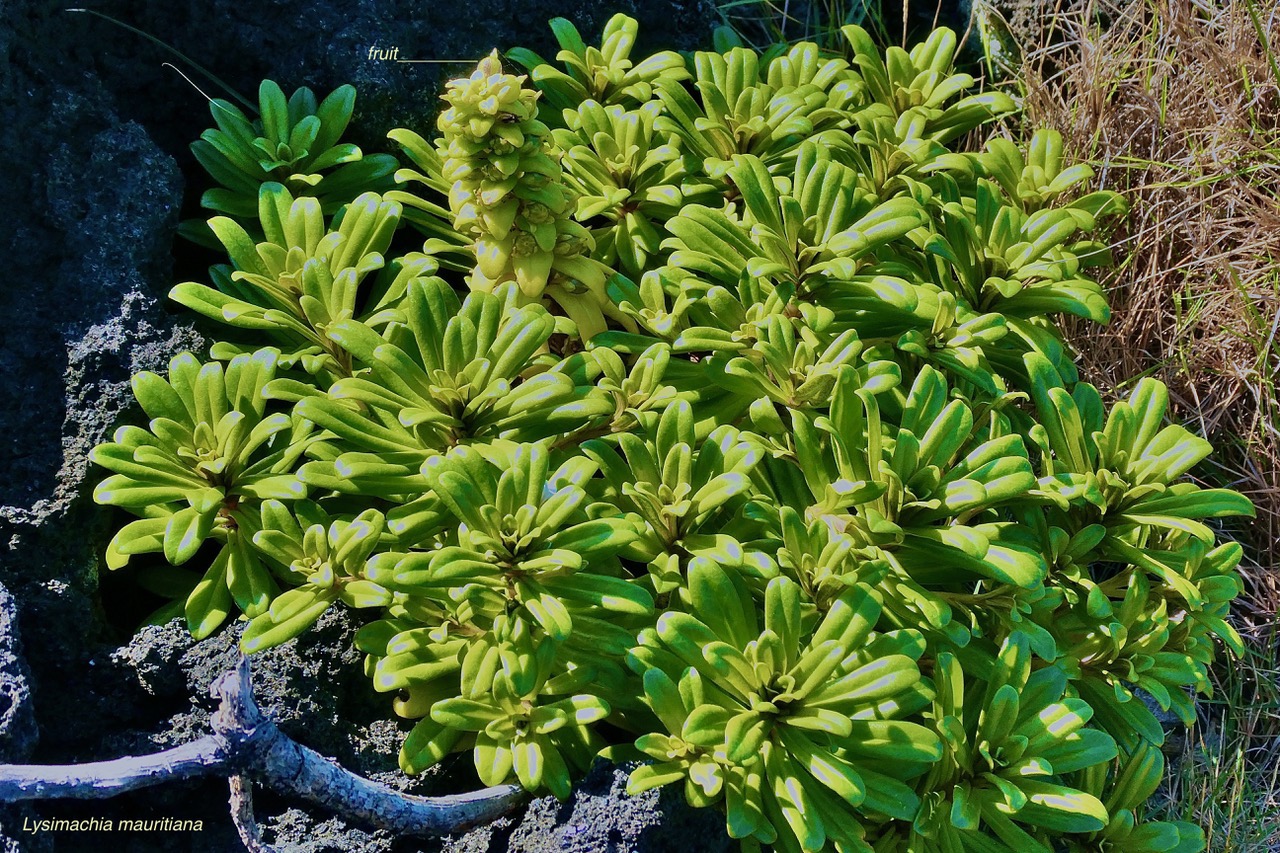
(154, 654)
(89, 310)
(86, 229)
(17, 716)
(324, 45)
(599, 816)
(294, 831)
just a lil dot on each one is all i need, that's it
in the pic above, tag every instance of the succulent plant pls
(525, 547)
(327, 556)
(675, 485)
(817, 230)
(727, 426)
(293, 142)
(1042, 176)
(441, 374)
(625, 174)
(303, 277)
(1007, 753)
(513, 704)
(923, 78)
(795, 726)
(1124, 787)
(210, 455)
(749, 109)
(605, 74)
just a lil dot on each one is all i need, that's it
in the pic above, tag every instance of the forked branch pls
(244, 742)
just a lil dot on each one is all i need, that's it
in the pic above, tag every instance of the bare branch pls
(102, 779)
(242, 815)
(244, 742)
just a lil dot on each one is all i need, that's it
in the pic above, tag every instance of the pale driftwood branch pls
(102, 779)
(242, 815)
(244, 742)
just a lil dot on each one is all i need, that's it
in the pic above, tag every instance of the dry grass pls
(1177, 104)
